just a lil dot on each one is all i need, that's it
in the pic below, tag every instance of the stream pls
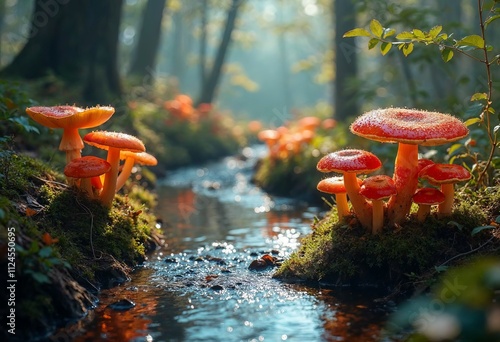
(198, 287)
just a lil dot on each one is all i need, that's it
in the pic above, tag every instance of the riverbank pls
(66, 247)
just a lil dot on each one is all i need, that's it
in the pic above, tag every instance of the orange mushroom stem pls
(376, 189)
(131, 159)
(114, 142)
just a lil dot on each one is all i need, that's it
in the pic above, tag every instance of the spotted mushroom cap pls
(70, 116)
(428, 196)
(86, 167)
(409, 126)
(444, 173)
(349, 160)
(378, 187)
(142, 158)
(122, 141)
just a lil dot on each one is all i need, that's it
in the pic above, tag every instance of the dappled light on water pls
(199, 286)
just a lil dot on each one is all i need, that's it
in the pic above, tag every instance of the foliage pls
(463, 306)
(179, 134)
(476, 47)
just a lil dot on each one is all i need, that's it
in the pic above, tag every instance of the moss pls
(62, 236)
(342, 253)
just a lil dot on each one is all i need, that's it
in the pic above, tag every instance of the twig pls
(468, 252)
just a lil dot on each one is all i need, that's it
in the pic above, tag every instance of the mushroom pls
(70, 119)
(270, 137)
(85, 168)
(409, 128)
(350, 162)
(377, 188)
(335, 186)
(113, 142)
(131, 159)
(445, 175)
(425, 198)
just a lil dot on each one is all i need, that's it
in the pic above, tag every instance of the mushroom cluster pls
(286, 141)
(95, 177)
(409, 128)
(181, 108)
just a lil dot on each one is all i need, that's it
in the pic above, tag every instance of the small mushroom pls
(131, 158)
(335, 186)
(113, 142)
(270, 137)
(409, 128)
(445, 175)
(350, 162)
(376, 189)
(85, 168)
(425, 198)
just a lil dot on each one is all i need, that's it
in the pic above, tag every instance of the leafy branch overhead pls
(386, 38)
(472, 46)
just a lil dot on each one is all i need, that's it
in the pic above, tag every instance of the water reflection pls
(199, 288)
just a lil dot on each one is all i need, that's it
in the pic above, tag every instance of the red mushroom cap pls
(377, 187)
(445, 173)
(424, 163)
(86, 167)
(409, 126)
(428, 196)
(349, 160)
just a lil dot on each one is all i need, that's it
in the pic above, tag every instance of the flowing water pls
(198, 286)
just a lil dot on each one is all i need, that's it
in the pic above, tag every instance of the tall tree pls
(346, 66)
(210, 85)
(78, 42)
(144, 60)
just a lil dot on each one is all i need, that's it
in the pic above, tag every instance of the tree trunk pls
(203, 42)
(345, 97)
(75, 40)
(209, 87)
(144, 61)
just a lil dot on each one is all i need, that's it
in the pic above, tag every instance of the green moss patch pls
(67, 246)
(342, 253)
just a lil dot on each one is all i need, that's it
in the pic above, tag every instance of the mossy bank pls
(400, 259)
(67, 247)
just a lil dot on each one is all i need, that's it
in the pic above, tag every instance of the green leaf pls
(407, 49)
(497, 219)
(453, 148)
(447, 54)
(496, 128)
(372, 43)
(472, 121)
(376, 28)
(385, 48)
(388, 32)
(405, 35)
(435, 31)
(491, 19)
(472, 40)
(441, 268)
(45, 252)
(479, 96)
(418, 33)
(357, 32)
(480, 229)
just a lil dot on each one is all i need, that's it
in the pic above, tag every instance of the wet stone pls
(170, 260)
(122, 305)
(217, 288)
